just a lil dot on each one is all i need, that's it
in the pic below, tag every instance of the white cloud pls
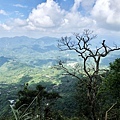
(87, 6)
(46, 15)
(5, 27)
(20, 22)
(75, 20)
(3, 12)
(49, 19)
(107, 14)
(18, 14)
(76, 5)
(19, 5)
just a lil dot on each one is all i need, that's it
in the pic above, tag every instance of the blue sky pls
(37, 18)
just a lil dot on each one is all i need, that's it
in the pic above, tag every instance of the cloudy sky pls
(37, 18)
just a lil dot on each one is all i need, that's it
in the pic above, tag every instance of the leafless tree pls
(81, 45)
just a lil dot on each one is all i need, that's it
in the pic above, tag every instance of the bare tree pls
(81, 45)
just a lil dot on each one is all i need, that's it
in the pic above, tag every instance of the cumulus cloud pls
(46, 15)
(49, 16)
(107, 14)
(3, 12)
(77, 21)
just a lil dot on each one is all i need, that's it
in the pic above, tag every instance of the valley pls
(28, 60)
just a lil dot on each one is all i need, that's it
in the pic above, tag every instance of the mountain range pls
(38, 52)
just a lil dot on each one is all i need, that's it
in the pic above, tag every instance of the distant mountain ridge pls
(37, 51)
(23, 40)
(31, 51)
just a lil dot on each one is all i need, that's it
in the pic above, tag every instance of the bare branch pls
(106, 115)
(82, 47)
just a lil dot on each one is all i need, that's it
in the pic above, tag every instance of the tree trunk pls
(93, 111)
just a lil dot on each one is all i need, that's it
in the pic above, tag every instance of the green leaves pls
(33, 102)
(113, 79)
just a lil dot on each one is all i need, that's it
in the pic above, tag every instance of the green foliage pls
(83, 109)
(113, 79)
(34, 103)
(109, 92)
(112, 82)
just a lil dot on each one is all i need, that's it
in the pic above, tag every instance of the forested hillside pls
(56, 80)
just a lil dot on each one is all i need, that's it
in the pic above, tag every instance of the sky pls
(56, 18)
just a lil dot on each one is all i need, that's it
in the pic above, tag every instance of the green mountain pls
(31, 60)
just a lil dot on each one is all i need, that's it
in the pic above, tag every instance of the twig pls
(106, 114)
